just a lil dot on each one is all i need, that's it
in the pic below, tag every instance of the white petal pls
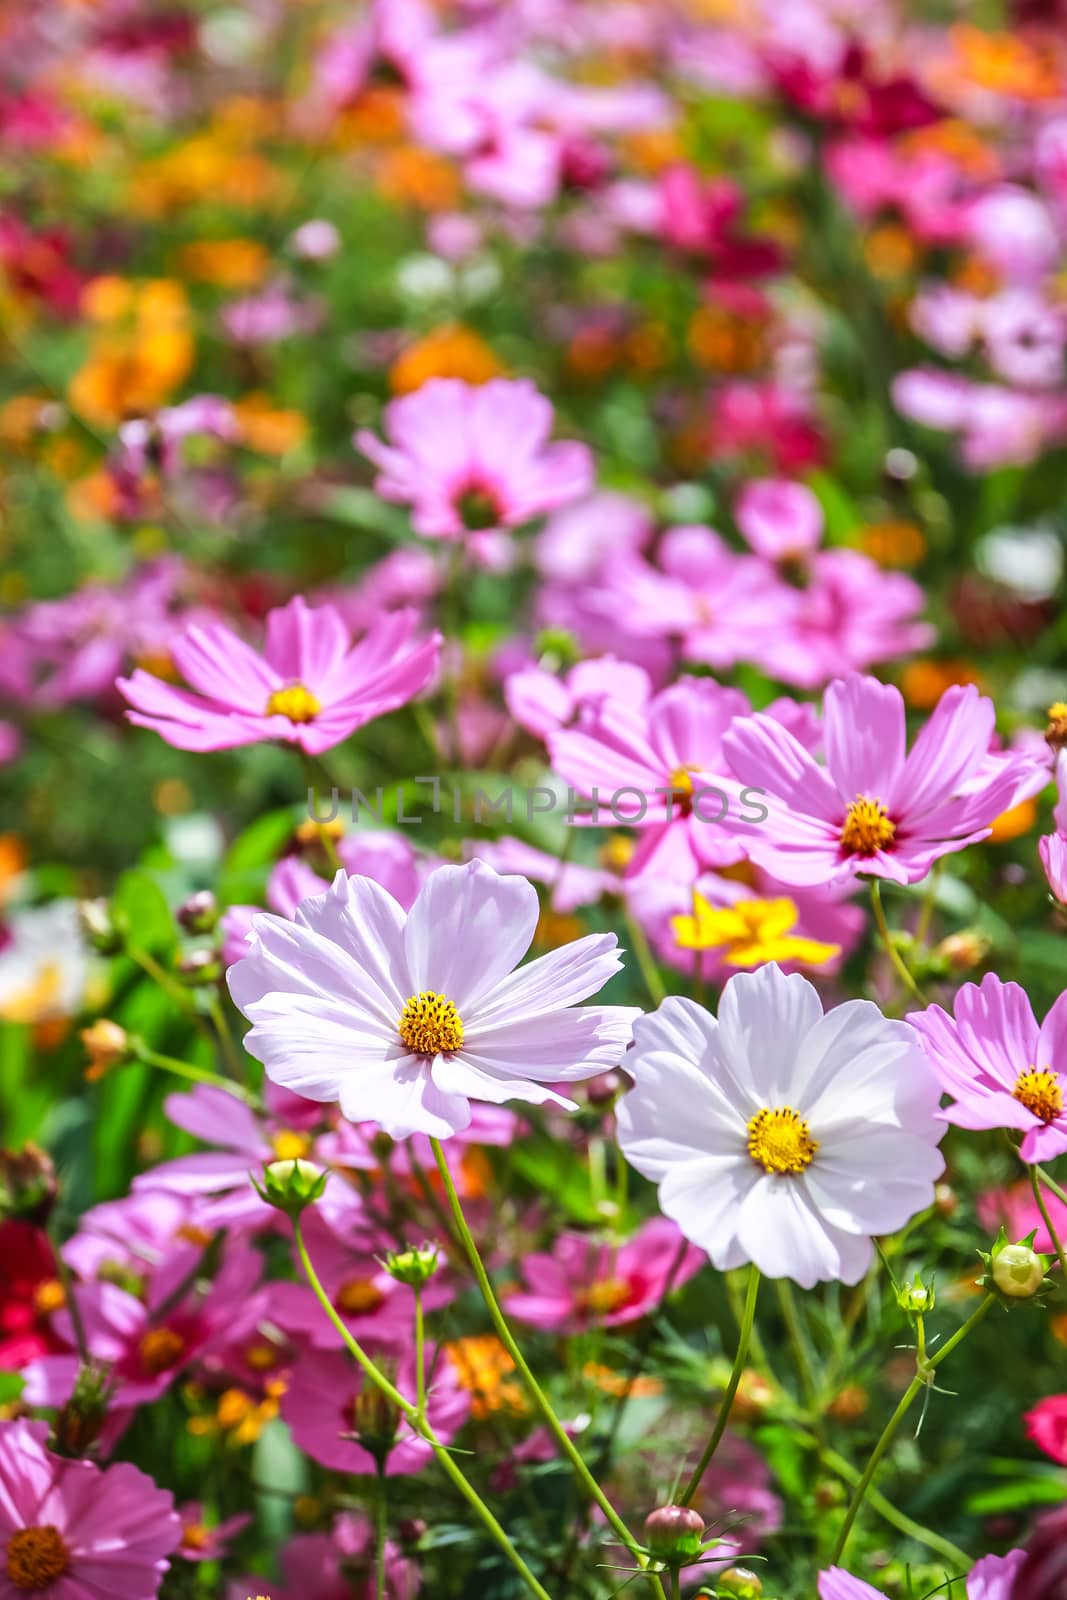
(764, 1018)
(467, 929)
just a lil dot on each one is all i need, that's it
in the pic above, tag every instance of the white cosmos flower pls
(404, 1017)
(779, 1134)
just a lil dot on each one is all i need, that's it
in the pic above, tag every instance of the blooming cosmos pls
(311, 686)
(779, 1134)
(992, 1578)
(875, 808)
(405, 1017)
(582, 1283)
(469, 458)
(1046, 1425)
(69, 1530)
(1001, 1069)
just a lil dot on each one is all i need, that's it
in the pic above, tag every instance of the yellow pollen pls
(681, 780)
(1041, 1093)
(195, 1536)
(602, 1298)
(867, 827)
(160, 1349)
(780, 1140)
(262, 1356)
(358, 1297)
(36, 1557)
(290, 1146)
(430, 1024)
(48, 1297)
(294, 702)
(1056, 732)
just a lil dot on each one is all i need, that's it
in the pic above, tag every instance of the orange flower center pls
(358, 1297)
(36, 1557)
(160, 1349)
(602, 1298)
(1041, 1093)
(867, 828)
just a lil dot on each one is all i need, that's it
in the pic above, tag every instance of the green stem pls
(379, 1534)
(541, 1400)
(891, 950)
(644, 958)
(676, 1584)
(185, 1069)
(921, 1379)
(1051, 1185)
(1035, 1184)
(230, 1052)
(420, 1351)
(169, 984)
(895, 1517)
(420, 1424)
(798, 1339)
(748, 1317)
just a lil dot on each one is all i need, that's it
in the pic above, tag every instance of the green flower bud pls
(916, 1298)
(675, 1534)
(413, 1266)
(1018, 1271)
(102, 930)
(741, 1582)
(290, 1186)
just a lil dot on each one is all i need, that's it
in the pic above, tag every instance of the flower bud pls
(28, 1187)
(963, 951)
(413, 1266)
(674, 1534)
(107, 1045)
(290, 1186)
(375, 1421)
(555, 648)
(1018, 1271)
(101, 929)
(411, 1531)
(916, 1298)
(79, 1422)
(741, 1582)
(200, 913)
(199, 968)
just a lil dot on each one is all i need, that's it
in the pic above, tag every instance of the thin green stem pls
(541, 1400)
(420, 1424)
(645, 960)
(1046, 1217)
(166, 981)
(748, 1317)
(231, 1054)
(892, 1514)
(899, 965)
(420, 1350)
(922, 1378)
(799, 1340)
(186, 1069)
(379, 1534)
(676, 1584)
(1051, 1185)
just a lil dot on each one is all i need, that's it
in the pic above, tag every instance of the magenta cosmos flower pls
(469, 458)
(874, 809)
(406, 1017)
(1046, 1425)
(778, 1134)
(992, 1578)
(584, 1283)
(1000, 1067)
(310, 687)
(73, 1531)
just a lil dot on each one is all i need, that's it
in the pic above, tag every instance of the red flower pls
(29, 1293)
(1046, 1425)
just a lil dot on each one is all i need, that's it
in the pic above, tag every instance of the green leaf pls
(140, 900)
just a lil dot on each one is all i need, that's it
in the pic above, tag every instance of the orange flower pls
(1014, 822)
(267, 428)
(141, 353)
(1004, 63)
(922, 683)
(618, 1383)
(890, 251)
(410, 176)
(229, 263)
(893, 544)
(484, 1368)
(722, 341)
(452, 351)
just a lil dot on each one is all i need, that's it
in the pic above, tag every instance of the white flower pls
(780, 1135)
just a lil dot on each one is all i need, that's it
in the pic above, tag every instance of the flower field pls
(533, 800)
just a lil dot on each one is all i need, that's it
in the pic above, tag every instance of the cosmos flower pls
(1052, 848)
(1046, 1425)
(404, 1018)
(324, 1566)
(70, 1530)
(29, 1292)
(780, 1135)
(472, 458)
(873, 809)
(750, 932)
(1001, 1069)
(581, 1283)
(992, 1578)
(311, 686)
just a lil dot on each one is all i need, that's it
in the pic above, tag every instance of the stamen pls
(430, 1024)
(780, 1140)
(1040, 1092)
(294, 702)
(867, 828)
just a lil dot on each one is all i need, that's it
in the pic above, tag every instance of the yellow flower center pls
(430, 1024)
(160, 1349)
(681, 780)
(262, 1356)
(867, 827)
(36, 1557)
(602, 1298)
(289, 1145)
(1056, 732)
(780, 1140)
(195, 1536)
(358, 1297)
(48, 1297)
(294, 702)
(1041, 1093)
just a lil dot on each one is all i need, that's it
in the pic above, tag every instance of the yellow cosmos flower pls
(749, 933)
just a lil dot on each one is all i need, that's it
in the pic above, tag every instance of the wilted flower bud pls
(200, 913)
(1018, 1270)
(413, 1266)
(674, 1534)
(916, 1298)
(28, 1186)
(107, 1045)
(290, 1186)
(200, 968)
(741, 1582)
(963, 951)
(375, 1421)
(79, 1422)
(100, 928)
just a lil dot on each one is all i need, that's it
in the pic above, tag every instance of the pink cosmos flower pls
(311, 687)
(130, 1235)
(782, 521)
(778, 1134)
(582, 1283)
(404, 1018)
(469, 458)
(1046, 1425)
(992, 1578)
(1001, 1068)
(1016, 1210)
(998, 426)
(329, 1399)
(201, 1542)
(338, 1565)
(873, 809)
(570, 884)
(541, 701)
(70, 1530)
(1052, 848)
